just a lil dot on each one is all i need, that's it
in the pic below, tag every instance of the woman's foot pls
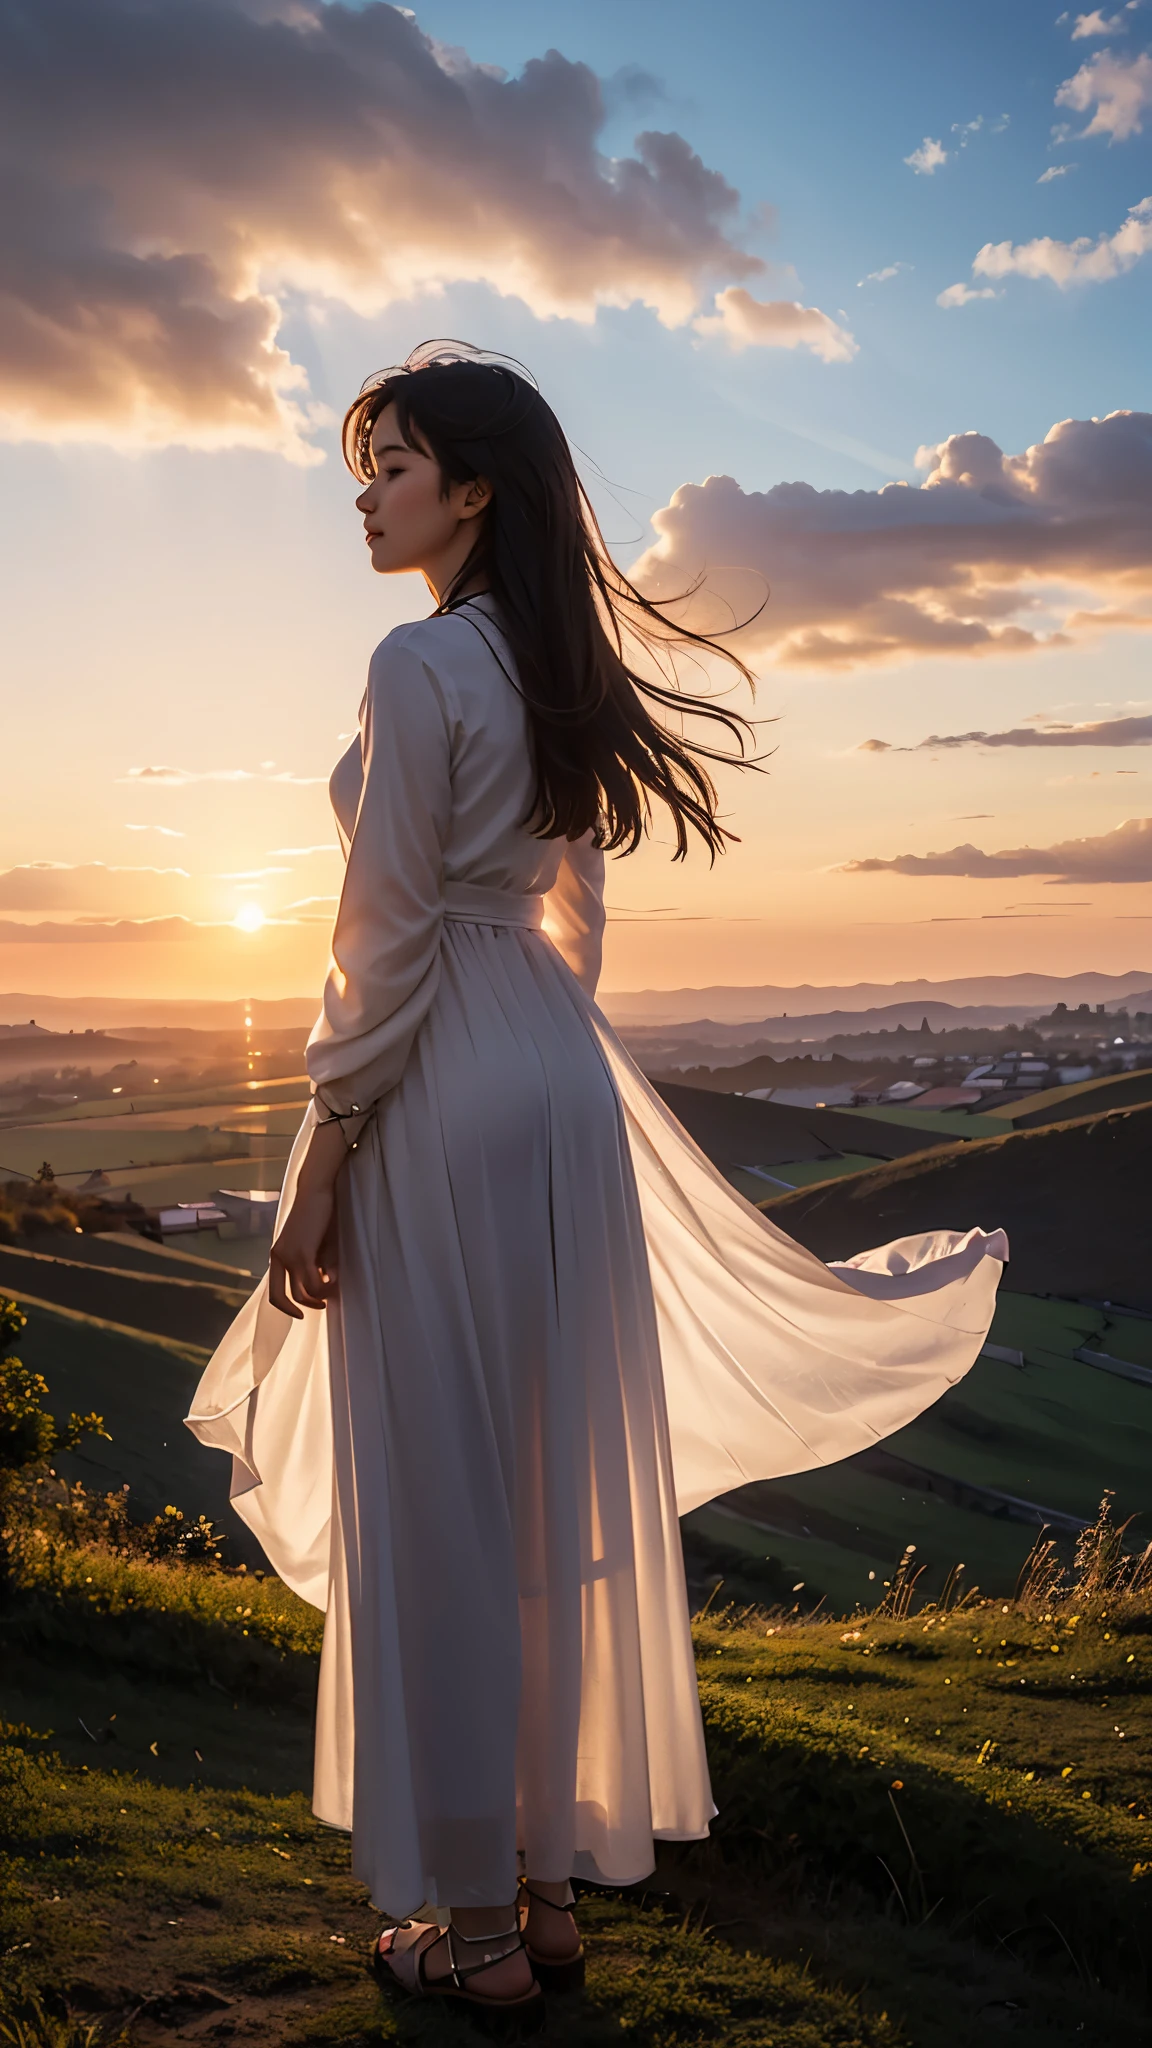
(551, 1937)
(416, 1954)
(548, 1922)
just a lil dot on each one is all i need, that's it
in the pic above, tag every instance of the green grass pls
(910, 1841)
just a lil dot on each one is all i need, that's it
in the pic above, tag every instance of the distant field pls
(82, 1148)
(147, 1101)
(935, 1123)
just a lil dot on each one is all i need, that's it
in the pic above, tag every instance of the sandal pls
(507, 2017)
(552, 1973)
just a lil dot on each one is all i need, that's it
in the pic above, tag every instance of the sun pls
(249, 918)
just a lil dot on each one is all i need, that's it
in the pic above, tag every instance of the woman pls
(514, 1322)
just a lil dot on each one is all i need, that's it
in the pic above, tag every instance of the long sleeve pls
(574, 911)
(386, 944)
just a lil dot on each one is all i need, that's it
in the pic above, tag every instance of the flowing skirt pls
(556, 1327)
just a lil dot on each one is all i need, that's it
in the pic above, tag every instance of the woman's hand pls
(302, 1264)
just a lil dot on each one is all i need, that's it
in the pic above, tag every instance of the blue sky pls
(207, 607)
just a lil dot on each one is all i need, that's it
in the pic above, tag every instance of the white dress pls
(557, 1327)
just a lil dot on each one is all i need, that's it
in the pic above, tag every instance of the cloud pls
(927, 158)
(1124, 855)
(1083, 261)
(90, 885)
(166, 831)
(882, 276)
(300, 852)
(1097, 24)
(122, 931)
(174, 172)
(1118, 89)
(745, 322)
(178, 778)
(311, 910)
(963, 295)
(251, 874)
(1099, 732)
(992, 554)
(1054, 171)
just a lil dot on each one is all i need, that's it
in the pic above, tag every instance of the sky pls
(844, 307)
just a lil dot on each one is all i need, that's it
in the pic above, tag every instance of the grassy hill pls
(774, 1143)
(1072, 1196)
(929, 1828)
(1078, 1098)
(193, 1311)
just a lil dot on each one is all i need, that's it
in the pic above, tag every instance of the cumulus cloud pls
(1054, 171)
(1124, 855)
(927, 158)
(165, 831)
(745, 322)
(172, 171)
(1118, 90)
(1098, 24)
(991, 554)
(963, 294)
(1083, 261)
(90, 885)
(1096, 732)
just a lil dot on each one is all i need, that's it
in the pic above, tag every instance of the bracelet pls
(336, 1116)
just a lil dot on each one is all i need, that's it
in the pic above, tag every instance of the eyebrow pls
(393, 448)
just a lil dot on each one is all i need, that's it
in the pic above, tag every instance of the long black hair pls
(566, 610)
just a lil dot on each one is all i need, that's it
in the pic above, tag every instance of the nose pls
(364, 501)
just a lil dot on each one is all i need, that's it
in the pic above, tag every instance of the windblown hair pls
(567, 612)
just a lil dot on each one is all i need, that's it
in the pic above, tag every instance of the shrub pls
(28, 1433)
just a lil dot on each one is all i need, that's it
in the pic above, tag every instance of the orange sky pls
(759, 333)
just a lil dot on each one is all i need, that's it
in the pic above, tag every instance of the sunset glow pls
(851, 327)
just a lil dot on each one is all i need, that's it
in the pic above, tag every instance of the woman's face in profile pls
(411, 517)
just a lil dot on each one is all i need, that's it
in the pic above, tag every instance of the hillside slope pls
(736, 1131)
(1073, 1198)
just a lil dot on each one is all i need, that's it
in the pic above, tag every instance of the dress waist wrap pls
(472, 903)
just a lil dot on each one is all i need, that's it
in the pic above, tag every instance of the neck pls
(450, 576)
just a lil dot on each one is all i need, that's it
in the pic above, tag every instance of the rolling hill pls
(1073, 1198)
(735, 1131)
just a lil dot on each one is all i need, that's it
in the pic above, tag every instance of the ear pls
(477, 498)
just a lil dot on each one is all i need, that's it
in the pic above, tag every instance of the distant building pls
(191, 1216)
